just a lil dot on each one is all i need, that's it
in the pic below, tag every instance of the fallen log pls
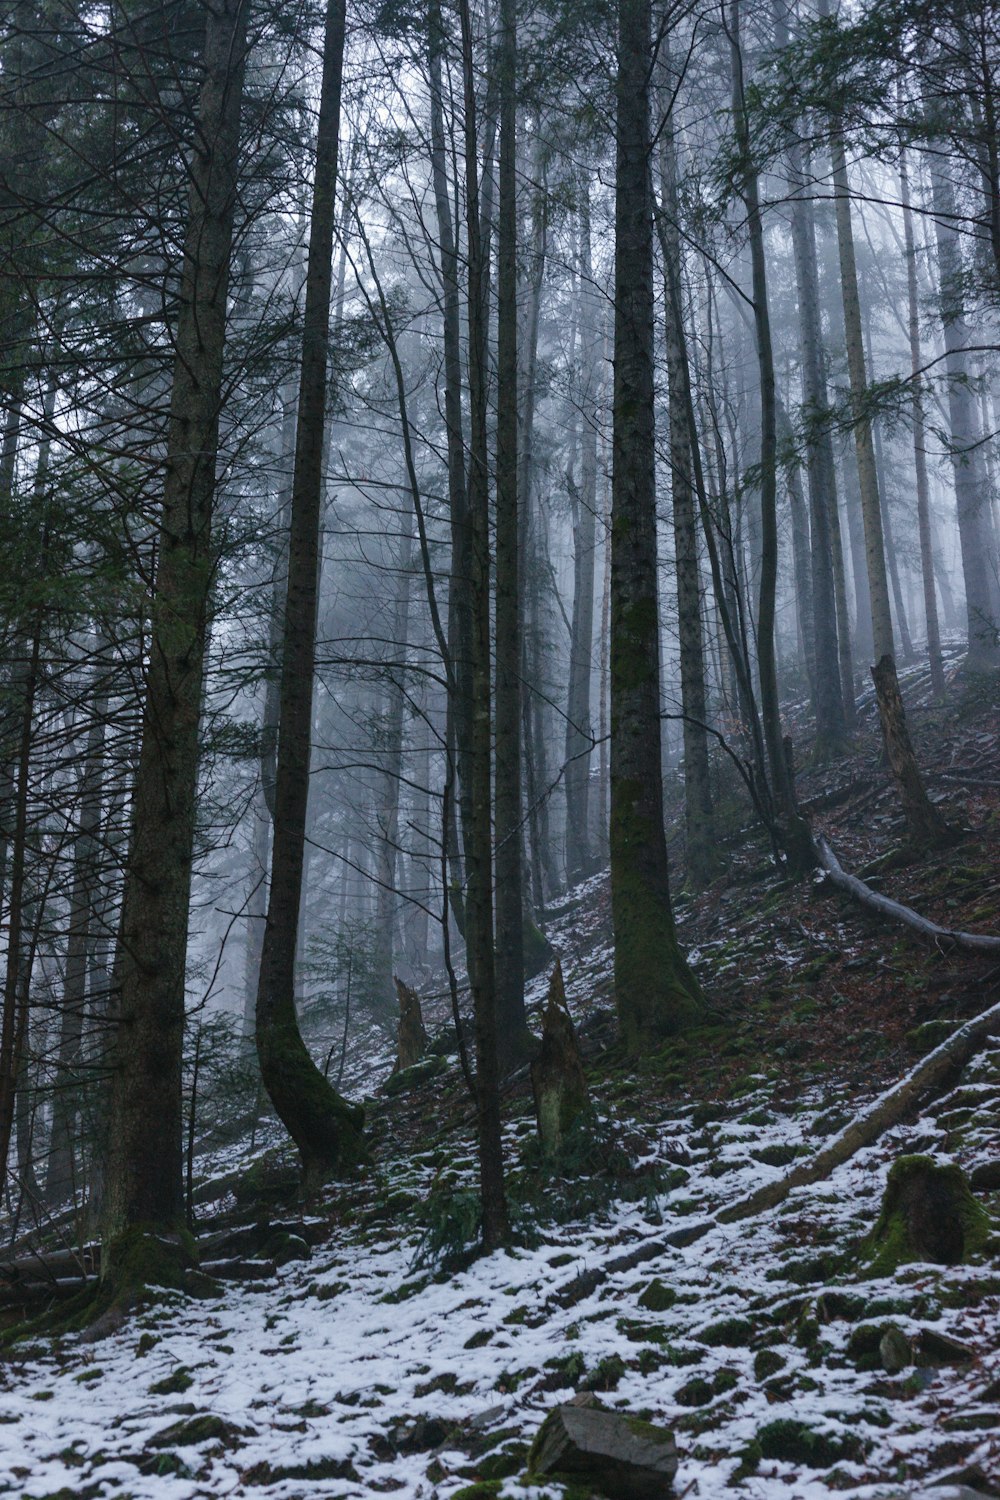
(967, 942)
(888, 1109)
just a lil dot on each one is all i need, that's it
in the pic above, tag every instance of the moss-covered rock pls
(408, 1079)
(928, 1214)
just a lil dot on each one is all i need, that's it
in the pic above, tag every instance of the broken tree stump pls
(411, 1042)
(557, 1077)
(614, 1455)
(928, 1214)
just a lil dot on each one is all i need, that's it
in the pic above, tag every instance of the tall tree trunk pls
(579, 727)
(478, 833)
(833, 690)
(60, 1177)
(324, 1128)
(795, 835)
(924, 822)
(970, 489)
(890, 544)
(458, 730)
(512, 1028)
(387, 805)
(701, 856)
(655, 992)
(144, 1185)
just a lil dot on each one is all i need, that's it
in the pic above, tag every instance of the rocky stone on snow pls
(618, 1456)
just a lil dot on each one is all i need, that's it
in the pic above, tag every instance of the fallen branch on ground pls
(970, 942)
(889, 1108)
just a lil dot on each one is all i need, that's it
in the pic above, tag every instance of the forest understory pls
(367, 1349)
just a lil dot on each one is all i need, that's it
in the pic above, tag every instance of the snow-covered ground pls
(350, 1374)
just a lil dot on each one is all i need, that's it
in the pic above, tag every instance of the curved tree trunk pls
(324, 1128)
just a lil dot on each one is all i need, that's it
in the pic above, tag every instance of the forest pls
(499, 791)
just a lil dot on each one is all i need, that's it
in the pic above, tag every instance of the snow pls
(317, 1382)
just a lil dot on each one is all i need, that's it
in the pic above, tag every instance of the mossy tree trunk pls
(325, 1129)
(655, 991)
(144, 1185)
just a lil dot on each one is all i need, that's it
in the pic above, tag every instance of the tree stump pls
(928, 1214)
(557, 1077)
(613, 1454)
(411, 1037)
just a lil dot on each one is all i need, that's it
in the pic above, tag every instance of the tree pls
(655, 992)
(324, 1127)
(144, 1182)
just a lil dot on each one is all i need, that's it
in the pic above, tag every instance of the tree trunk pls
(144, 1185)
(579, 728)
(833, 690)
(324, 1128)
(60, 1175)
(971, 497)
(920, 441)
(390, 770)
(458, 733)
(478, 833)
(512, 1027)
(655, 992)
(924, 821)
(701, 856)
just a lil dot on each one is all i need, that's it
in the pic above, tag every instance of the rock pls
(895, 1350)
(928, 1214)
(411, 1038)
(941, 1349)
(557, 1078)
(985, 1177)
(617, 1456)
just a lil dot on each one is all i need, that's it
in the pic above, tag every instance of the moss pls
(316, 1468)
(483, 1489)
(729, 1333)
(606, 1373)
(174, 1384)
(768, 1362)
(656, 993)
(193, 1431)
(928, 1214)
(796, 1443)
(411, 1078)
(657, 1297)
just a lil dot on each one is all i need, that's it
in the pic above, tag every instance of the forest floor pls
(381, 1360)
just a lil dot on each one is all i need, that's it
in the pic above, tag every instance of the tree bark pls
(478, 833)
(701, 857)
(144, 1185)
(512, 1028)
(923, 820)
(655, 992)
(971, 498)
(325, 1129)
(579, 728)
